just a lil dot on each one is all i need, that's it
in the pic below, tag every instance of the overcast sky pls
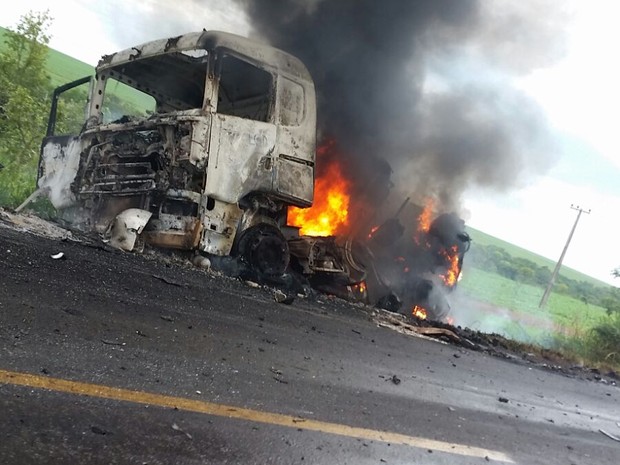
(578, 93)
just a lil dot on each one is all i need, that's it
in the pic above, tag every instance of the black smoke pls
(423, 84)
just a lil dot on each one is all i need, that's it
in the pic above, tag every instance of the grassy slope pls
(478, 237)
(567, 314)
(564, 311)
(60, 67)
(63, 69)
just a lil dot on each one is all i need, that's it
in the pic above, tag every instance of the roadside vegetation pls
(24, 95)
(29, 72)
(582, 318)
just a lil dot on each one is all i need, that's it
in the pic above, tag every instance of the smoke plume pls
(425, 88)
(425, 85)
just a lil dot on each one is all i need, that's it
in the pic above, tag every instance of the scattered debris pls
(167, 281)
(113, 343)
(282, 298)
(126, 227)
(58, 256)
(395, 379)
(177, 428)
(609, 435)
(201, 262)
(394, 321)
(278, 376)
(503, 400)
(35, 225)
(97, 430)
(431, 331)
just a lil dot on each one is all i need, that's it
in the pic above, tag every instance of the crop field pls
(517, 312)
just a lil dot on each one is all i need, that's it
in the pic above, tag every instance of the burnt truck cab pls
(199, 142)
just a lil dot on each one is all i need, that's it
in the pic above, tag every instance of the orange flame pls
(424, 222)
(329, 212)
(360, 287)
(452, 260)
(419, 312)
(425, 218)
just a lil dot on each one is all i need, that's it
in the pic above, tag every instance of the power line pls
(554, 275)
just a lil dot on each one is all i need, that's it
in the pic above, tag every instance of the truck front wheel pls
(265, 249)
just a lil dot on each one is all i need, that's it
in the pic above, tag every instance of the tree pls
(24, 94)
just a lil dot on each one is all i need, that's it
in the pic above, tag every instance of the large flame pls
(329, 212)
(452, 263)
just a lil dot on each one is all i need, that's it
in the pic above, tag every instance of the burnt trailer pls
(199, 142)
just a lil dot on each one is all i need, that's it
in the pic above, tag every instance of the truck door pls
(60, 154)
(243, 134)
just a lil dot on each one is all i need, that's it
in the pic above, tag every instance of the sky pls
(577, 91)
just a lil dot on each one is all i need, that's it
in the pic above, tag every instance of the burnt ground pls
(155, 323)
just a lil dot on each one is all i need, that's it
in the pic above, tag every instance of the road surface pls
(118, 358)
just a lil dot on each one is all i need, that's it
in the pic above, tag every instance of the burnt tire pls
(265, 249)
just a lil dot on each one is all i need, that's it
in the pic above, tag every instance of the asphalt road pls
(109, 357)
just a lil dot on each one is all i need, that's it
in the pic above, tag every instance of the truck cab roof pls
(261, 54)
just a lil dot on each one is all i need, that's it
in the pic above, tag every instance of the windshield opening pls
(244, 90)
(175, 80)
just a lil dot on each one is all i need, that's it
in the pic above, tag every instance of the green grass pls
(566, 313)
(478, 237)
(63, 69)
(60, 67)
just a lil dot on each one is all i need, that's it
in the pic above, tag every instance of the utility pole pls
(554, 275)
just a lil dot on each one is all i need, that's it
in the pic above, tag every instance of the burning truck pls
(409, 262)
(207, 142)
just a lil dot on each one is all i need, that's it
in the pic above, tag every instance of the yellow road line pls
(228, 411)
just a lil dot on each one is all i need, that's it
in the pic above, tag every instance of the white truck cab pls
(199, 141)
